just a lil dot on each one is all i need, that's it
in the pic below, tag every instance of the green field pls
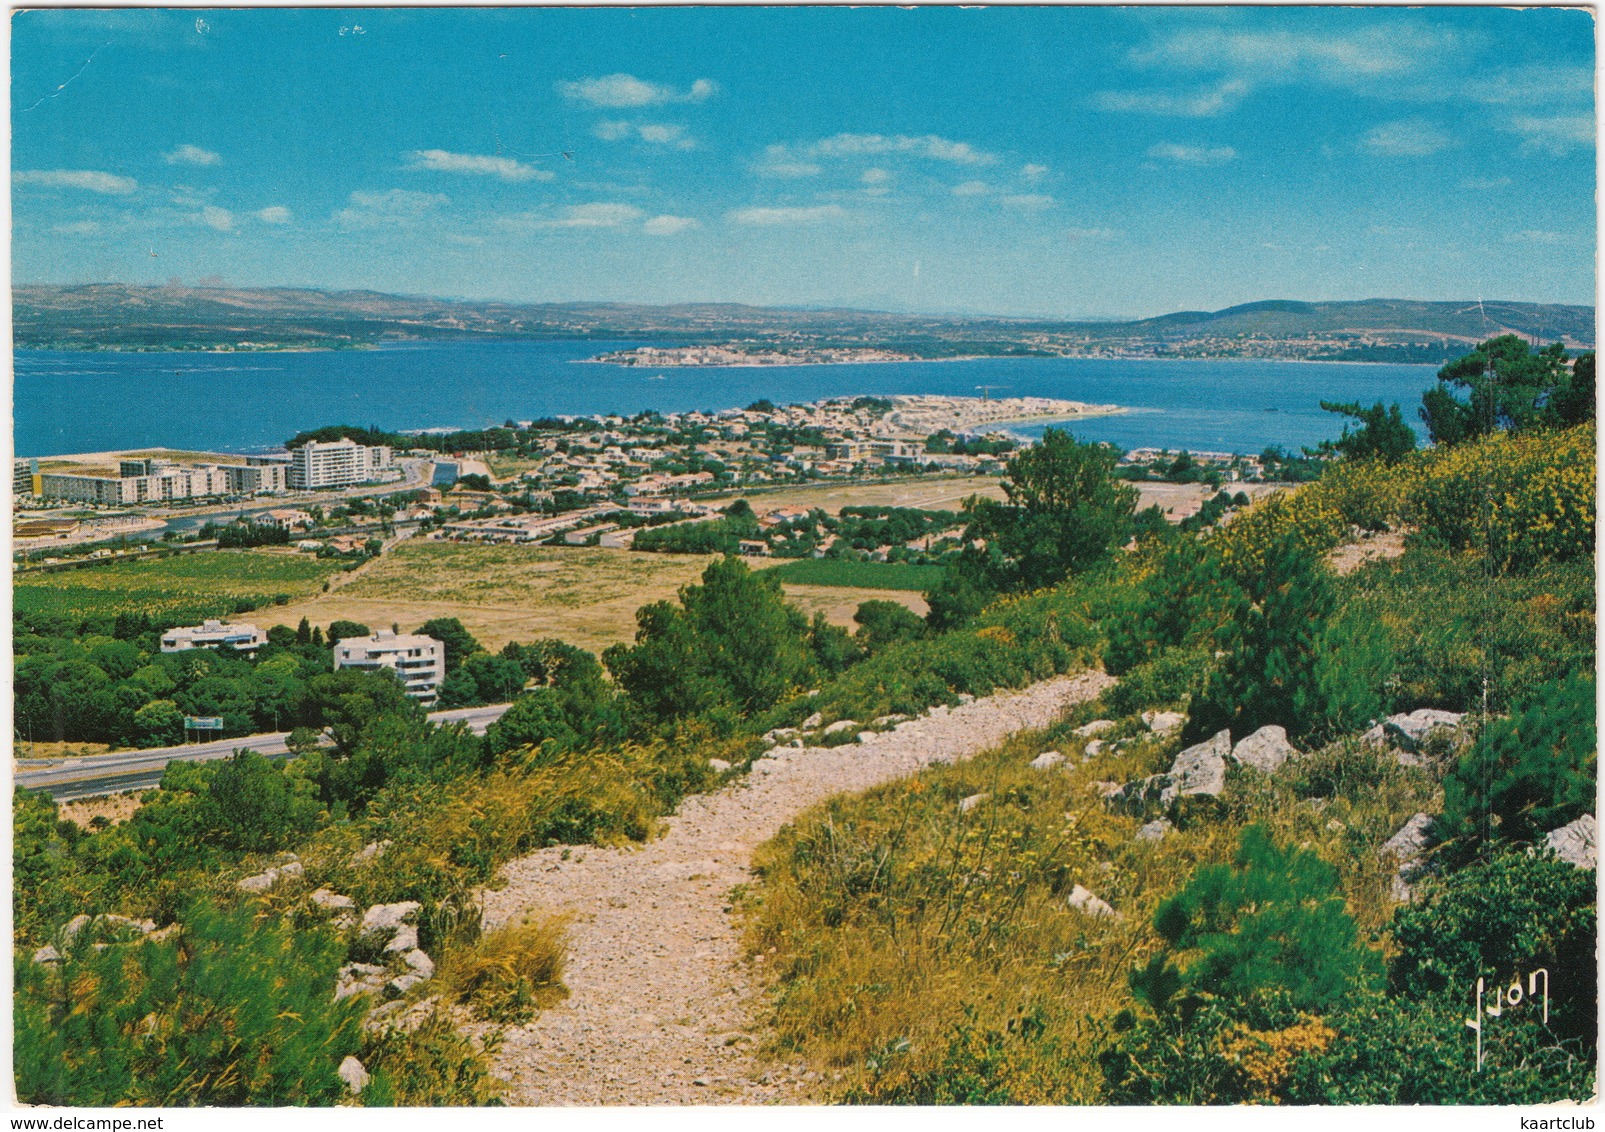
(196, 585)
(859, 575)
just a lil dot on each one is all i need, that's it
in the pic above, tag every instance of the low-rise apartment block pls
(240, 636)
(419, 662)
(155, 480)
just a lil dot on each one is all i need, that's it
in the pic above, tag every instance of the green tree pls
(1507, 387)
(1526, 774)
(1274, 919)
(881, 623)
(1382, 434)
(731, 643)
(1275, 630)
(1575, 403)
(1183, 602)
(255, 807)
(1065, 512)
(346, 630)
(159, 723)
(574, 715)
(459, 642)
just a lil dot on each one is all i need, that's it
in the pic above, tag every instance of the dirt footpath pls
(662, 1005)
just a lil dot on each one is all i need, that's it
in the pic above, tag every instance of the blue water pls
(95, 402)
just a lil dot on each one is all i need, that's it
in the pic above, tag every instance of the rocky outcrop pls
(842, 725)
(1408, 848)
(1047, 760)
(1200, 769)
(1163, 722)
(718, 766)
(371, 852)
(1154, 830)
(359, 978)
(341, 908)
(1265, 750)
(267, 878)
(1085, 902)
(1094, 729)
(1575, 842)
(974, 800)
(1408, 732)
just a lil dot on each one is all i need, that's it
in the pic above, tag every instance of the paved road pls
(66, 779)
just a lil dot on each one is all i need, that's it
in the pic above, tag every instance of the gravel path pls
(662, 1002)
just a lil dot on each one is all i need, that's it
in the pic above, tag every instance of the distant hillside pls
(116, 316)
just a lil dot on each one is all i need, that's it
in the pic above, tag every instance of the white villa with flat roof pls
(241, 637)
(419, 662)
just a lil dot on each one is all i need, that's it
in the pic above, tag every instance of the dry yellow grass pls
(585, 596)
(510, 973)
(114, 808)
(930, 494)
(839, 603)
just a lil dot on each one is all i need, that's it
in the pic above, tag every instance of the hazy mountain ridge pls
(115, 316)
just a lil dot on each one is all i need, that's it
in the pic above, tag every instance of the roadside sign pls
(203, 722)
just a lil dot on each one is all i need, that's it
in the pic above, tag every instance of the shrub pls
(1182, 602)
(1273, 918)
(511, 972)
(238, 1011)
(1170, 678)
(1525, 775)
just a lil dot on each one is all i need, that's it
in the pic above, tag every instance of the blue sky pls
(1104, 161)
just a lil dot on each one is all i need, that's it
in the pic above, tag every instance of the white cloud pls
(626, 90)
(109, 183)
(1536, 236)
(1201, 103)
(1077, 234)
(192, 155)
(780, 161)
(1351, 60)
(1408, 137)
(669, 225)
(1192, 154)
(929, 146)
(1033, 172)
(441, 161)
(1482, 184)
(1027, 202)
(653, 134)
(596, 215)
(274, 214)
(391, 207)
(1533, 85)
(1556, 135)
(775, 217)
(219, 218)
(77, 228)
(874, 176)
(971, 189)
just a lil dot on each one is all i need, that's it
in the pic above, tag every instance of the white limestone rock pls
(354, 1075)
(1095, 728)
(405, 939)
(371, 851)
(1200, 769)
(1576, 842)
(420, 963)
(47, 954)
(1265, 750)
(1154, 830)
(974, 800)
(401, 984)
(841, 725)
(331, 901)
(1094, 748)
(266, 879)
(358, 978)
(965, 698)
(813, 721)
(1163, 722)
(1086, 903)
(718, 766)
(1047, 760)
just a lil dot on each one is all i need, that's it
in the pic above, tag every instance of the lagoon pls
(68, 402)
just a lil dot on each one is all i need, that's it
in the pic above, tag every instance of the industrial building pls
(339, 463)
(419, 662)
(241, 637)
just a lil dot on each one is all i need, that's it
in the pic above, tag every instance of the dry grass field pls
(585, 596)
(929, 494)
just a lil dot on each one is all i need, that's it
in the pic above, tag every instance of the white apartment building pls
(156, 480)
(419, 662)
(241, 637)
(338, 463)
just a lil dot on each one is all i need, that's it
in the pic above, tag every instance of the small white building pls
(214, 634)
(419, 662)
